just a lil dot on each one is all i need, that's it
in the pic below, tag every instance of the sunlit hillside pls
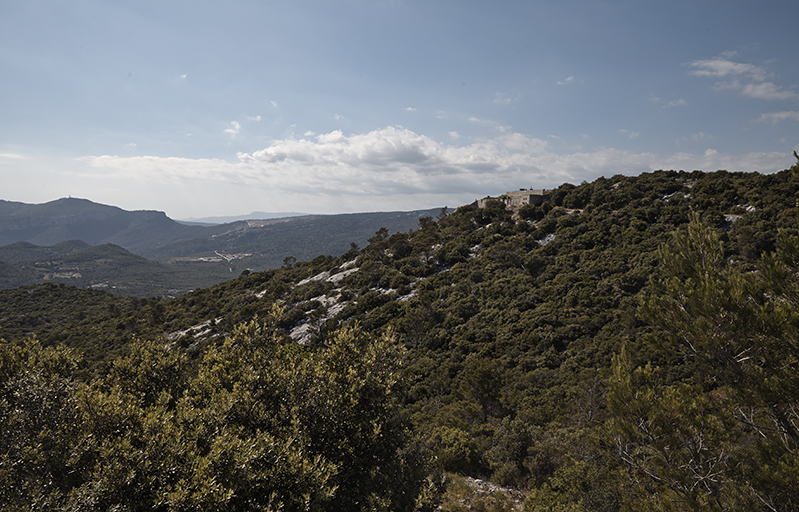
(627, 344)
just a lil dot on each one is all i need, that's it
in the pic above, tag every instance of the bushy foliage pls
(508, 324)
(719, 430)
(260, 425)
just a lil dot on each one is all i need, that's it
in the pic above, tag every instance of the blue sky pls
(201, 108)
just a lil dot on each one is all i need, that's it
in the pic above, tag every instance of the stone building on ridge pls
(519, 198)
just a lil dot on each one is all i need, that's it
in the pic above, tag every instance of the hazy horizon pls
(224, 219)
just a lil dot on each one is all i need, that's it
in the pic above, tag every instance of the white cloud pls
(12, 156)
(568, 80)
(130, 145)
(775, 117)
(410, 109)
(630, 134)
(274, 103)
(747, 79)
(254, 118)
(676, 103)
(454, 135)
(720, 67)
(327, 138)
(338, 117)
(234, 129)
(763, 90)
(183, 76)
(768, 91)
(395, 168)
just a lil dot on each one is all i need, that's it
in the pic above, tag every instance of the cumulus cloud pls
(410, 109)
(234, 129)
(568, 80)
(396, 168)
(254, 118)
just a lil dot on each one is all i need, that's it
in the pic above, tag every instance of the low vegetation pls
(629, 344)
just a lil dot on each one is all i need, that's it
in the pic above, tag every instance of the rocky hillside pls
(576, 351)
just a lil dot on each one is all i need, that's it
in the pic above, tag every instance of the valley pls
(148, 254)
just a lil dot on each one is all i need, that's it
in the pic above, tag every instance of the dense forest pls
(629, 344)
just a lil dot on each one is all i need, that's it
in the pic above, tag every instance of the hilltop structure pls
(518, 198)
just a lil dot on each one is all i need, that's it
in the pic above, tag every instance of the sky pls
(205, 108)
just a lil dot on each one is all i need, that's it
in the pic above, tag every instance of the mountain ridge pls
(70, 218)
(225, 219)
(210, 253)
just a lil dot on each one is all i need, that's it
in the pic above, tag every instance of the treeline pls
(627, 345)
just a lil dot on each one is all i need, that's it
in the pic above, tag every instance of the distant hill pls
(269, 242)
(104, 267)
(43, 242)
(234, 218)
(80, 219)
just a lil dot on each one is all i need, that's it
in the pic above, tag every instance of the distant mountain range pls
(234, 218)
(80, 219)
(89, 244)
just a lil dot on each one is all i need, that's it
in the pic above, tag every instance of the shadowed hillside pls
(189, 256)
(79, 219)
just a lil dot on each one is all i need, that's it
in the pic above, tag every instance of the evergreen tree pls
(718, 428)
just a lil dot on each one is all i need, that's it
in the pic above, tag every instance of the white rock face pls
(335, 278)
(546, 239)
